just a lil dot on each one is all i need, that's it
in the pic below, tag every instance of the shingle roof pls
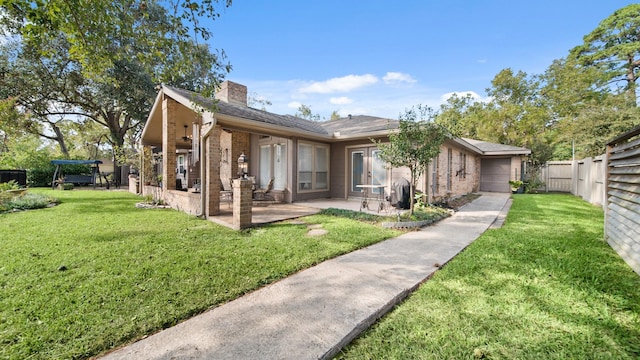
(360, 124)
(488, 147)
(249, 113)
(353, 126)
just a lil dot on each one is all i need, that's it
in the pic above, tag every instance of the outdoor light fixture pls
(186, 138)
(243, 165)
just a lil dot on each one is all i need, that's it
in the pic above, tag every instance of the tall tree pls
(106, 70)
(305, 112)
(614, 48)
(415, 144)
(94, 29)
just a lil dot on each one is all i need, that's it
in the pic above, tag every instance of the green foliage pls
(30, 201)
(532, 185)
(11, 185)
(98, 38)
(544, 286)
(305, 112)
(106, 63)
(416, 142)
(353, 215)
(515, 184)
(613, 48)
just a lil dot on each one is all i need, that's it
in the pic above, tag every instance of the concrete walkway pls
(314, 313)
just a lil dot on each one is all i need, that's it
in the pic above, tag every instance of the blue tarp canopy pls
(68, 162)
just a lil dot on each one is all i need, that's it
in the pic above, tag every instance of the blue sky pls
(380, 57)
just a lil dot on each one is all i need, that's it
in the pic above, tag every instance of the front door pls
(366, 168)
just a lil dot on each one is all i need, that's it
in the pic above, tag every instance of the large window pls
(313, 167)
(273, 164)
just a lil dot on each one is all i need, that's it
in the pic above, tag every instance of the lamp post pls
(243, 166)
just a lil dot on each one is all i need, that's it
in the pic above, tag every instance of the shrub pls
(11, 185)
(533, 185)
(30, 201)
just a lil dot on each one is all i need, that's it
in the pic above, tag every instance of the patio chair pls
(265, 194)
(226, 195)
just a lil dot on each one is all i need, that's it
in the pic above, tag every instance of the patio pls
(265, 213)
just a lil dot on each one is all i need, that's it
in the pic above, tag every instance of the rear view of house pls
(192, 146)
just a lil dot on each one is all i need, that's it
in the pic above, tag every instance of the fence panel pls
(557, 175)
(622, 215)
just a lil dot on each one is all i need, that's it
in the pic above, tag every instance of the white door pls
(366, 168)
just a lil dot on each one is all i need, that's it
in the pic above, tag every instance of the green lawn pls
(545, 286)
(95, 272)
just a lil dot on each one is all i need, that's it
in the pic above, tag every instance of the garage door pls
(494, 175)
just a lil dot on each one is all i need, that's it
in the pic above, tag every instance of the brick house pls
(195, 148)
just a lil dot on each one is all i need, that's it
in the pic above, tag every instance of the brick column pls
(242, 202)
(169, 107)
(240, 143)
(212, 158)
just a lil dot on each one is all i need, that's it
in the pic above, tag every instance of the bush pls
(533, 185)
(353, 215)
(11, 185)
(28, 201)
(42, 173)
(42, 176)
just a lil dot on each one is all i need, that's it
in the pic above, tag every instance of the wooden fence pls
(584, 178)
(622, 214)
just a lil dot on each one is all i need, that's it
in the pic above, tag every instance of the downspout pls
(203, 188)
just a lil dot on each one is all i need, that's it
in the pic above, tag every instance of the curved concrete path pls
(314, 313)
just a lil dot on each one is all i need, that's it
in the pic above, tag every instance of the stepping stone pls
(317, 232)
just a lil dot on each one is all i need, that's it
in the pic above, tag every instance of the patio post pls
(169, 107)
(213, 171)
(242, 202)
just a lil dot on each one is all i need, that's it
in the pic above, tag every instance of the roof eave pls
(154, 108)
(507, 152)
(359, 136)
(239, 123)
(467, 145)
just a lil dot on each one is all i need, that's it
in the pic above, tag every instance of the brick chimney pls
(232, 93)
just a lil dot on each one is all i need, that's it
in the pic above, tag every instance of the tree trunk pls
(412, 190)
(60, 140)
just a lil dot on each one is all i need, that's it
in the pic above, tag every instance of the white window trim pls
(313, 170)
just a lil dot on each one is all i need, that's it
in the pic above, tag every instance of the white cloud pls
(396, 77)
(482, 61)
(294, 105)
(341, 84)
(343, 100)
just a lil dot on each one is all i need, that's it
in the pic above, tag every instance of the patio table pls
(367, 196)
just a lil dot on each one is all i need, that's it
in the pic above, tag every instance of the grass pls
(424, 213)
(95, 272)
(545, 286)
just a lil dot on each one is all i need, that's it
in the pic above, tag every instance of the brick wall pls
(232, 93)
(464, 179)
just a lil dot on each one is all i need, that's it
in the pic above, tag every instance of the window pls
(265, 165)
(434, 176)
(313, 167)
(462, 170)
(273, 164)
(449, 164)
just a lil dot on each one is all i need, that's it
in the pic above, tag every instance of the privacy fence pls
(584, 178)
(622, 215)
(612, 181)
